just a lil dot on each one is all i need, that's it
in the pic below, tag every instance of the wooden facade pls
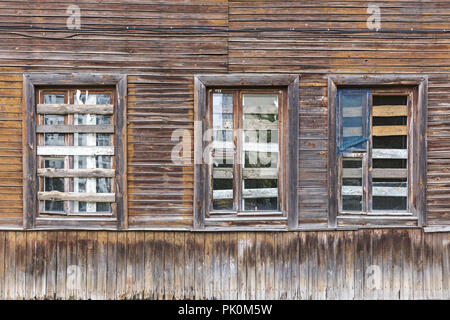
(161, 46)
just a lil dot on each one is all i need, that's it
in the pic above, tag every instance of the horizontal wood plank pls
(376, 191)
(75, 128)
(390, 130)
(247, 173)
(247, 193)
(69, 173)
(390, 154)
(76, 196)
(74, 151)
(376, 173)
(390, 111)
(75, 108)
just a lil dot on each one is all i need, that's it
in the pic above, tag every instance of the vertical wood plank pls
(82, 240)
(294, 261)
(21, 249)
(169, 268)
(149, 271)
(30, 260)
(10, 265)
(40, 266)
(52, 243)
(269, 239)
(91, 266)
(233, 245)
(251, 267)
(278, 263)
(359, 265)
(2, 264)
(159, 265)
(217, 263)
(121, 265)
(61, 265)
(368, 272)
(139, 262)
(350, 265)
(102, 263)
(312, 245)
(445, 265)
(407, 279)
(225, 265)
(397, 263)
(340, 265)
(387, 269)
(242, 265)
(437, 265)
(199, 266)
(209, 265)
(303, 266)
(131, 265)
(71, 280)
(179, 263)
(331, 252)
(322, 249)
(260, 255)
(189, 270)
(111, 275)
(417, 262)
(377, 264)
(428, 266)
(286, 267)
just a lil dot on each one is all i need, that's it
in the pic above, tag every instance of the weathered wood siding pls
(161, 62)
(367, 264)
(175, 41)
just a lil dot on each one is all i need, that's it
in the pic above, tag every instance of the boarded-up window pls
(75, 157)
(75, 152)
(373, 148)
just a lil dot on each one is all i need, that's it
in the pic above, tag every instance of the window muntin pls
(374, 161)
(76, 183)
(245, 151)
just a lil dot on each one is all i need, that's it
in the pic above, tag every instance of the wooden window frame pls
(288, 135)
(33, 82)
(417, 185)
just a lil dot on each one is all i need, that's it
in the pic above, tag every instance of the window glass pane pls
(260, 152)
(353, 111)
(81, 162)
(103, 162)
(54, 139)
(223, 151)
(390, 171)
(53, 119)
(51, 98)
(352, 184)
(103, 119)
(103, 207)
(103, 185)
(84, 97)
(103, 139)
(54, 184)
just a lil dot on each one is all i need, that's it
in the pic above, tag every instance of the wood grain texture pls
(366, 264)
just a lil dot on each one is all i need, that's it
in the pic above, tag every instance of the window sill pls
(376, 214)
(437, 229)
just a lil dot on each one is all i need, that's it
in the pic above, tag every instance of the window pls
(379, 153)
(246, 173)
(77, 132)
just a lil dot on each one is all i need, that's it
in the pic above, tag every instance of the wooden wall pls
(245, 265)
(218, 36)
(161, 63)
